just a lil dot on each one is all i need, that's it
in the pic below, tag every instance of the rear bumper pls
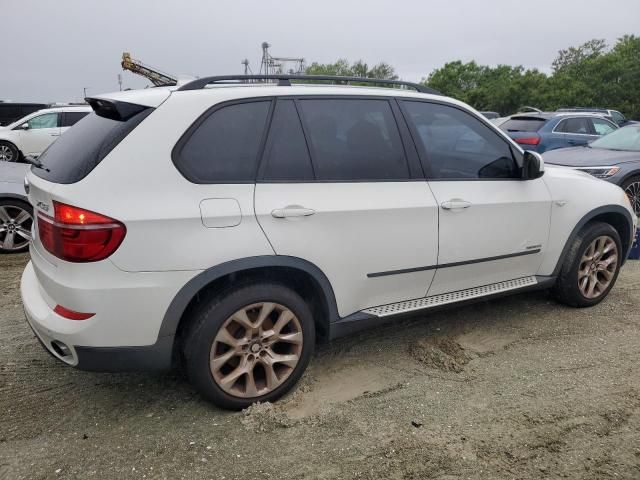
(66, 339)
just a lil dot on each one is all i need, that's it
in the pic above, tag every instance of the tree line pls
(590, 75)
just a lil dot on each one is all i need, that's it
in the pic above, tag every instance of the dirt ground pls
(514, 388)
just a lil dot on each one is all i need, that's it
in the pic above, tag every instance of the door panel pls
(503, 218)
(354, 230)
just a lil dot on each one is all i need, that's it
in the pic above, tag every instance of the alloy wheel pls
(633, 192)
(598, 267)
(256, 350)
(15, 227)
(6, 153)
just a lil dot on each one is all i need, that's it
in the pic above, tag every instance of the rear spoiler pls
(114, 109)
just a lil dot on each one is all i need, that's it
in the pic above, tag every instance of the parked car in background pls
(32, 134)
(16, 214)
(614, 158)
(12, 111)
(279, 213)
(613, 115)
(545, 131)
(491, 115)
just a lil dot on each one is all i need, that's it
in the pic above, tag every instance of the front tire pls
(591, 266)
(249, 345)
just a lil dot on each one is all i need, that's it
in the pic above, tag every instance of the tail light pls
(78, 235)
(528, 140)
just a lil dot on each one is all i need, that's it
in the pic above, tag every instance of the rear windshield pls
(70, 158)
(529, 124)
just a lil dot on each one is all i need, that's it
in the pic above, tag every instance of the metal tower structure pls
(271, 65)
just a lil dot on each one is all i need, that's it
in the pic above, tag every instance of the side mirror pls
(24, 126)
(532, 165)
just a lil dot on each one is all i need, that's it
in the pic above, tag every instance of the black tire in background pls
(206, 323)
(567, 288)
(12, 224)
(631, 187)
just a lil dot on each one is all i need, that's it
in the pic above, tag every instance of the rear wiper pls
(35, 162)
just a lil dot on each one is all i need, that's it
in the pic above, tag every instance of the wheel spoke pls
(229, 380)
(288, 360)
(218, 362)
(8, 241)
(270, 376)
(265, 311)
(251, 390)
(4, 215)
(225, 337)
(24, 233)
(295, 338)
(243, 319)
(22, 217)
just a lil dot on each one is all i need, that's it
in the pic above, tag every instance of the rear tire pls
(249, 344)
(9, 152)
(591, 266)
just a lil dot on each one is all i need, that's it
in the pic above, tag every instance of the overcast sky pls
(52, 49)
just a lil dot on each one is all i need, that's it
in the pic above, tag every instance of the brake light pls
(78, 235)
(71, 314)
(528, 140)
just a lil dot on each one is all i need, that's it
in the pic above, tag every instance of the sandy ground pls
(515, 388)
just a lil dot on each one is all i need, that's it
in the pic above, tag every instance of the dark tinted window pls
(354, 139)
(523, 124)
(71, 118)
(617, 117)
(78, 151)
(224, 147)
(286, 156)
(574, 125)
(458, 145)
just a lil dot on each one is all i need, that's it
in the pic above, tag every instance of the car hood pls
(588, 157)
(13, 172)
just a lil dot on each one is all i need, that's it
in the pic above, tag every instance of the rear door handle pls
(455, 204)
(54, 134)
(292, 211)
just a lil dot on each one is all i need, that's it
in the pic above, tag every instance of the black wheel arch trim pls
(189, 291)
(15, 196)
(586, 219)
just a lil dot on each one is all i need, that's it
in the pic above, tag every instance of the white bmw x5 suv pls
(228, 226)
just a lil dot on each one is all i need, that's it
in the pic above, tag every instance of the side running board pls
(453, 297)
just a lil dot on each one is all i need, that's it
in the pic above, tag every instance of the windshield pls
(626, 138)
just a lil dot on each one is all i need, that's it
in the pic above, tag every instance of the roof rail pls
(285, 80)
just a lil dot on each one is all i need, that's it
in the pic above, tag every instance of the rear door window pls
(353, 139)
(458, 145)
(71, 118)
(223, 146)
(578, 125)
(286, 156)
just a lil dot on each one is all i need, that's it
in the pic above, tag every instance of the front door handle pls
(455, 204)
(292, 211)
(54, 134)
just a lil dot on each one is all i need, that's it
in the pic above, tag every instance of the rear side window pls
(354, 140)
(77, 152)
(458, 145)
(523, 124)
(223, 147)
(71, 118)
(286, 157)
(574, 125)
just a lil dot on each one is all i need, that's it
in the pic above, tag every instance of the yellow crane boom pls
(158, 78)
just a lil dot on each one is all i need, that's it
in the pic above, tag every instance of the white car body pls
(375, 248)
(32, 134)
